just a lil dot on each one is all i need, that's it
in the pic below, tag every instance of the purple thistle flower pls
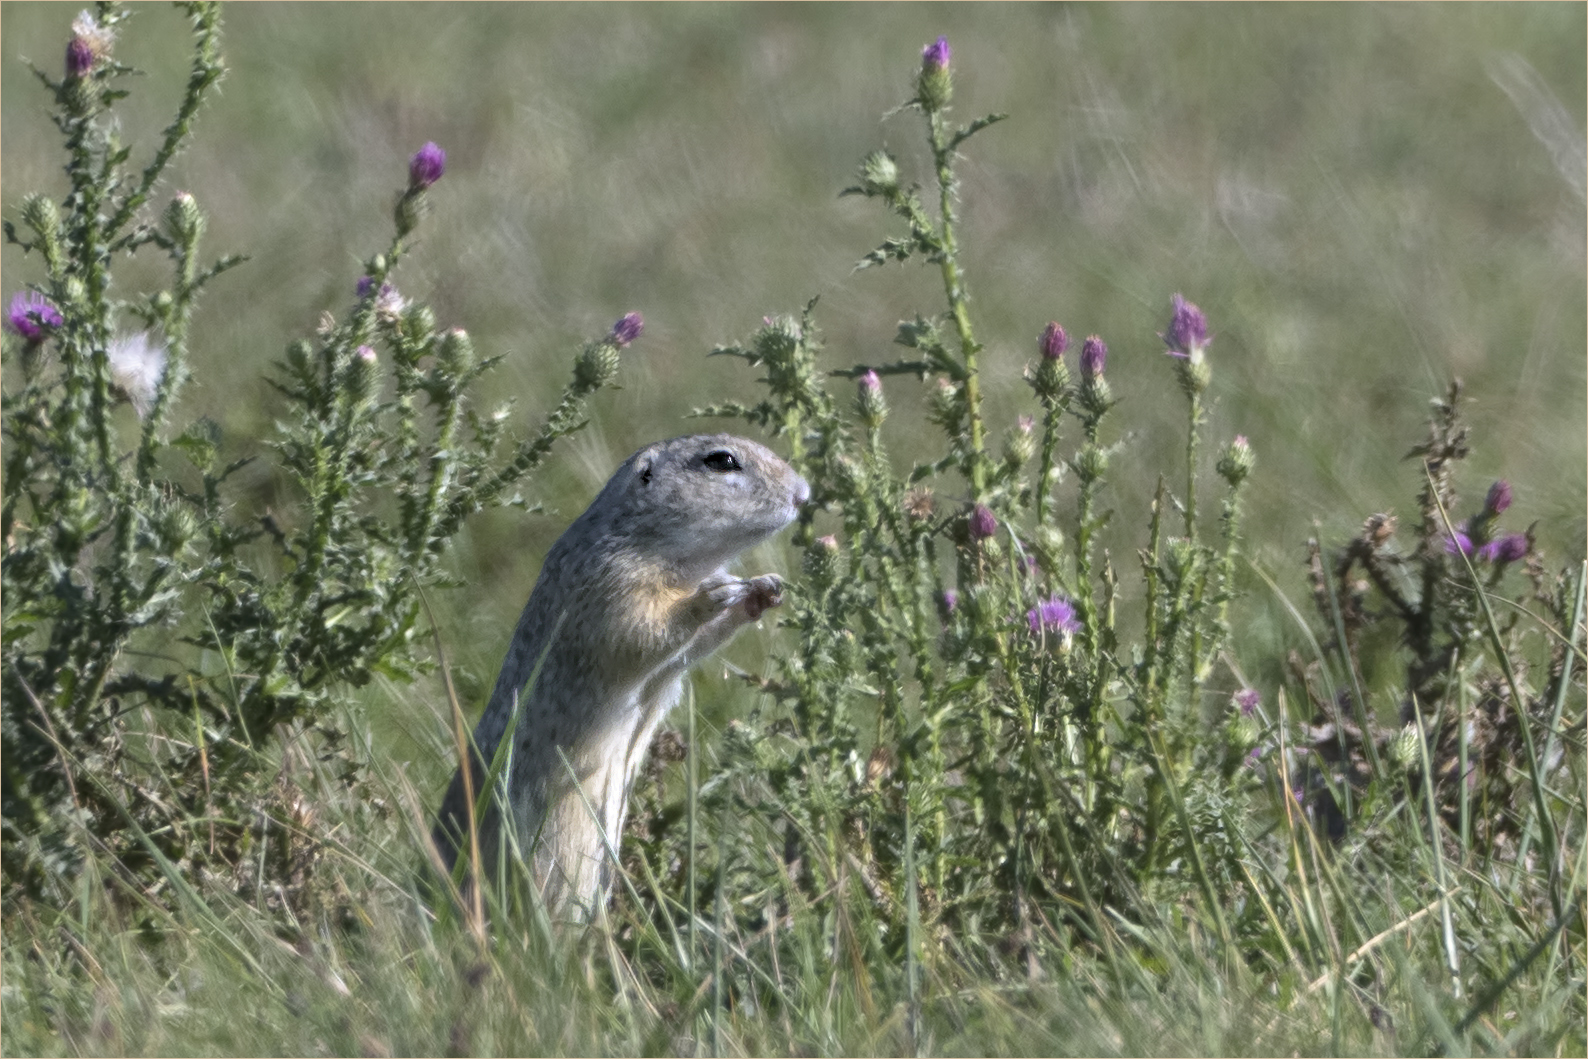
(1055, 612)
(871, 382)
(950, 601)
(1499, 498)
(1188, 329)
(365, 285)
(79, 58)
(1246, 700)
(1459, 544)
(627, 329)
(983, 523)
(935, 56)
(426, 167)
(31, 315)
(1094, 356)
(365, 354)
(1054, 342)
(1507, 549)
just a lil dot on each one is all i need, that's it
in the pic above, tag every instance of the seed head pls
(627, 329)
(879, 174)
(32, 316)
(426, 167)
(137, 366)
(919, 504)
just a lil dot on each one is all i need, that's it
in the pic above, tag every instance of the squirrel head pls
(695, 502)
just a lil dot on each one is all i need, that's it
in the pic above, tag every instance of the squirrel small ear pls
(645, 472)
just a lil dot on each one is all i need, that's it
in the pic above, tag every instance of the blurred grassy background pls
(1364, 200)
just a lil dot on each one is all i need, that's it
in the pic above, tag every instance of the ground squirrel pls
(631, 595)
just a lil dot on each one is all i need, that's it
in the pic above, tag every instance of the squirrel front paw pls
(765, 592)
(757, 595)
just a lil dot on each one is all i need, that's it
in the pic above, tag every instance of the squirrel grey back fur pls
(630, 596)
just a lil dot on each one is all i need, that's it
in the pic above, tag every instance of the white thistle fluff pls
(137, 364)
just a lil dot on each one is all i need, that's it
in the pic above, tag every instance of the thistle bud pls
(943, 406)
(821, 561)
(175, 526)
(1242, 732)
(1237, 461)
(1180, 562)
(879, 174)
(183, 221)
(40, 213)
(1050, 539)
(1094, 357)
(361, 373)
(935, 87)
(1508, 549)
(869, 401)
(1020, 444)
(947, 603)
(1499, 498)
(455, 355)
(418, 322)
(596, 366)
(982, 523)
(1054, 342)
(1090, 463)
(426, 167)
(1188, 339)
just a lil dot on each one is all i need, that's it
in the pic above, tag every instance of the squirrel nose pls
(802, 491)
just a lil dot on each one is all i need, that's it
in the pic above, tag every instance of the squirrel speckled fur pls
(631, 595)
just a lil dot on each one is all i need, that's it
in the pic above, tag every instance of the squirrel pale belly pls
(631, 595)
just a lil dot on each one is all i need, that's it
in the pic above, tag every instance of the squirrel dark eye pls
(722, 461)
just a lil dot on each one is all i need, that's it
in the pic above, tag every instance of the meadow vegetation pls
(1183, 651)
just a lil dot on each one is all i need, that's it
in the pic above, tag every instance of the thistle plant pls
(176, 663)
(962, 724)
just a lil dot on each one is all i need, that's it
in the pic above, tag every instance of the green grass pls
(1364, 200)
